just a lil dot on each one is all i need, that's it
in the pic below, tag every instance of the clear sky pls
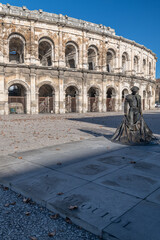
(137, 20)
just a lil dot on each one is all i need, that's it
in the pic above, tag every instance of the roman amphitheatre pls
(57, 64)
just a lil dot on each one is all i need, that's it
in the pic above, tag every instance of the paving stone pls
(146, 167)
(70, 152)
(46, 184)
(19, 171)
(130, 181)
(155, 197)
(140, 223)
(8, 160)
(89, 169)
(97, 206)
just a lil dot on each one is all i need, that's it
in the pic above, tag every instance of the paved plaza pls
(111, 190)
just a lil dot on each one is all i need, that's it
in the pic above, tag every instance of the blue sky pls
(137, 20)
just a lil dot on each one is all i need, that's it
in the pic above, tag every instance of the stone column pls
(61, 51)
(3, 93)
(84, 93)
(84, 52)
(61, 92)
(32, 47)
(104, 108)
(103, 55)
(33, 99)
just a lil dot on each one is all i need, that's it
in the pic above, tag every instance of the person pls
(133, 129)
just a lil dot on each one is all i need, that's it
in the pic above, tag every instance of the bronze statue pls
(133, 129)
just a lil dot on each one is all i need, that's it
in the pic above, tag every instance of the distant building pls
(52, 63)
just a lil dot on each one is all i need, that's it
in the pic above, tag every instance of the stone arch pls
(136, 63)
(71, 99)
(111, 60)
(46, 82)
(125, 59)
(92, 57)
(125, 92)
(46, 94)
(16, 48)
(71, 54)
(46, 51)
(93, 99)
(17, 97)
(144, 65)
(110, 98)
(78, 89)
(17, 81)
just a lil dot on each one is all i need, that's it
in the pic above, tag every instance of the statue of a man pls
(132, 107)
(133, 129)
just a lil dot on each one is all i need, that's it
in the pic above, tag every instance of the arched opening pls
(16, 50)
(144, 66)
(46, 99)
(110, 100)
(110, 60)
(92, 55)
(17, 99)
(93, 99)
(45, 53)
(144, 100)
(124, 94)
(71, 99)
(124, 62)
(136, 64)
(71, 55)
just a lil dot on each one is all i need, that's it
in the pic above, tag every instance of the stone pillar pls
(61, 51)
(3, 96)
(33, 99)
(32, 47)
(103, 55)
(104, 108)
(1, 39)
(84, 93)
(61, 92)
(56, 102)
(84, 52)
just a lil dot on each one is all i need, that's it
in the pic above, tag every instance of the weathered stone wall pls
(58, 31)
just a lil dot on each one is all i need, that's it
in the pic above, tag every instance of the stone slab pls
(97, 206)
(146, 167)
(8, 160)
(131, 182)
(140, 223)
(89, 169)
(70, 152)
(154, 197)
(19, 171)
(46, 184)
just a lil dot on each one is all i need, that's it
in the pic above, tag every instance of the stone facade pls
(57, 64)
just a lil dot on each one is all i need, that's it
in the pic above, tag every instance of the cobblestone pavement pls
(26, 132)
(24, 220)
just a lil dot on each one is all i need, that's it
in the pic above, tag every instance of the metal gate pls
(70, 104)
(110, 103)
(93, 104)
(46, 105)
(17, 104)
